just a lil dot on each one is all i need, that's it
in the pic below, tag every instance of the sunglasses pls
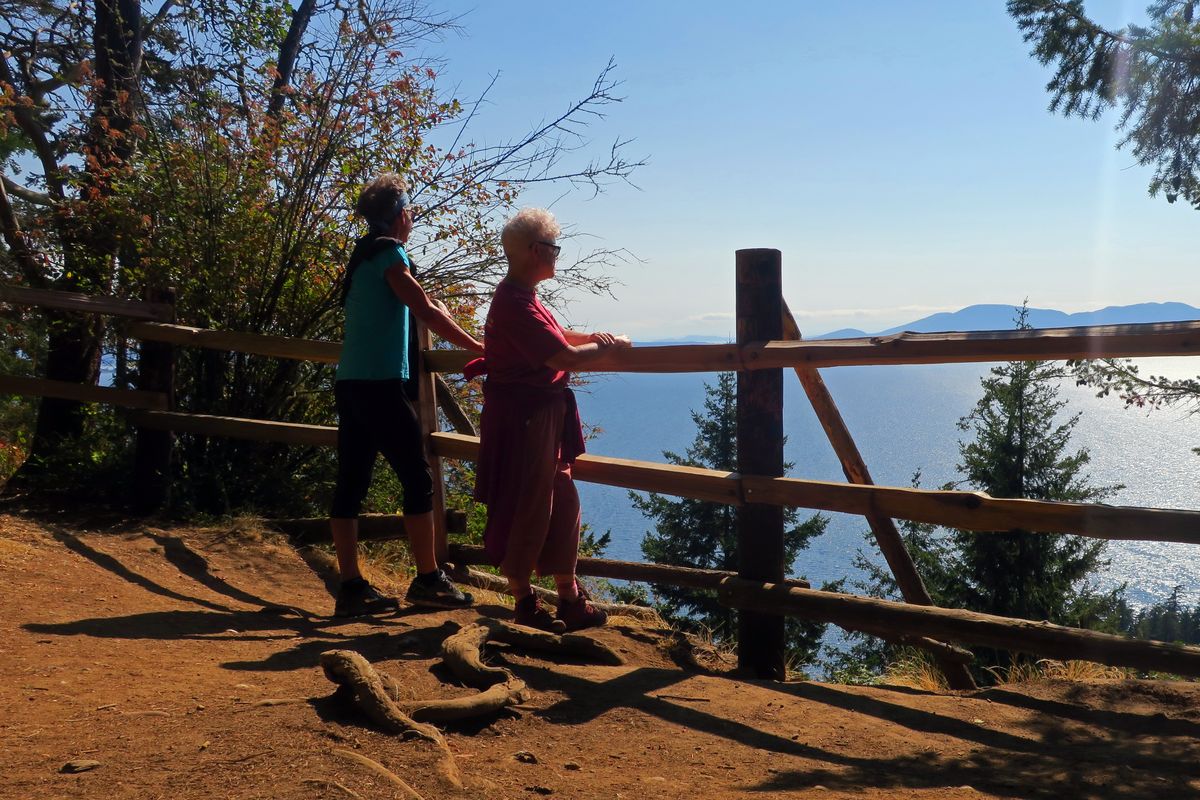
(556, 249)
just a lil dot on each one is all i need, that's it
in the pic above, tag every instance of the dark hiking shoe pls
(357, 598)
(532, 614)
(580, 614)
(437, 591)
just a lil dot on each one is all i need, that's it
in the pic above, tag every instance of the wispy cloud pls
(712, 316)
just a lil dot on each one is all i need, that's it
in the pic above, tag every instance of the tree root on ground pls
(511, 692)
(349, 669)
(569, 644)
(462, 654)
(386, 703)
(355, 676)
(381, 771)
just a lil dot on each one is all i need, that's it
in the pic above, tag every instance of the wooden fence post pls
(427, 413)
(761, 645)
(152, 456)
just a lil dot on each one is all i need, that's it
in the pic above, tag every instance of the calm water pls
(903, 419)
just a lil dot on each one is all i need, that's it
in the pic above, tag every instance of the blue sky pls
(900, 155)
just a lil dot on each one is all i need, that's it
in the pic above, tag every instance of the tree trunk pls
(74, 342)
(73, 354)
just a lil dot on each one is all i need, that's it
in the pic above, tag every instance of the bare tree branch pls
(18, 242)
(28, 195)
(36, 131)
(287, 55)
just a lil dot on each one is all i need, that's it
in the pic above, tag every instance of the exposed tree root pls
(571, 644)
(461, 652)
(386, 702)
(328, 784)
(490, 701)
(381, 771)
(349, 669)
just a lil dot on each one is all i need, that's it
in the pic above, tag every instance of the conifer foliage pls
(1018, 445)
(1168, 621)
(1021, 449)
(694, 533)
(1151, 74)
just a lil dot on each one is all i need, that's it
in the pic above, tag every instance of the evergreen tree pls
(1151, 74)
(1168, 621)
(1019, 448)
(694, 533)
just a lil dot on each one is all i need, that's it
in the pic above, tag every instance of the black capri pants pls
(376, 417)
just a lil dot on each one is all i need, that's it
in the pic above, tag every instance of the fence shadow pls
(1054, 757)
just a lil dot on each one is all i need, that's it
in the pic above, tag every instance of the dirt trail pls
(150, 652)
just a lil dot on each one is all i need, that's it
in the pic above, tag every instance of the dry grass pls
(705, 651)
(388, 565)
(1027, 672)
(916, 671)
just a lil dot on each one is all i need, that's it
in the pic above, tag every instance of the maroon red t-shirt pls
(519, 335)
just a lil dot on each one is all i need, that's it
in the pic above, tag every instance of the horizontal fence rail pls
(973, 511)
(1035, 344)
(258, 344)
(689, 577)
(259, 430)
(66, 390)
(1043, 344)
(967, 627)
(73, 301)
(977, 511)
(1039, 344)
(693, 482)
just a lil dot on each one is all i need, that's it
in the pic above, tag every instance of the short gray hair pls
(526, 227)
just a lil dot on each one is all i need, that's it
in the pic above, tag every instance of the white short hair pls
(526, 227)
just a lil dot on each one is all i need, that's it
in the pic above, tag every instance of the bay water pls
(903, 419)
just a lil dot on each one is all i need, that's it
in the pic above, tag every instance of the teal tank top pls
(375, 346)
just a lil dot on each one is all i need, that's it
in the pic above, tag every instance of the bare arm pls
(574, 356)
(412, 295)
(600, 337)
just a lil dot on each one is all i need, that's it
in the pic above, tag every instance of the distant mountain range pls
(993, 317)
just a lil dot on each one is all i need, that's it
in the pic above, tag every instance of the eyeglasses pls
(554, 248)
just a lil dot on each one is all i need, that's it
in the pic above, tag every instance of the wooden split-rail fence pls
(767, 343)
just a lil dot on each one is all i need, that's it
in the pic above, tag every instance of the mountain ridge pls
(999, 316)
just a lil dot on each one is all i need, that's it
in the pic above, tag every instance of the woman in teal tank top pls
(374, 413)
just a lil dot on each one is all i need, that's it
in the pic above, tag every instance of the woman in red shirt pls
(530, 432)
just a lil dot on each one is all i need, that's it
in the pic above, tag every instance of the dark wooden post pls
(152, 457)
(760, 452)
